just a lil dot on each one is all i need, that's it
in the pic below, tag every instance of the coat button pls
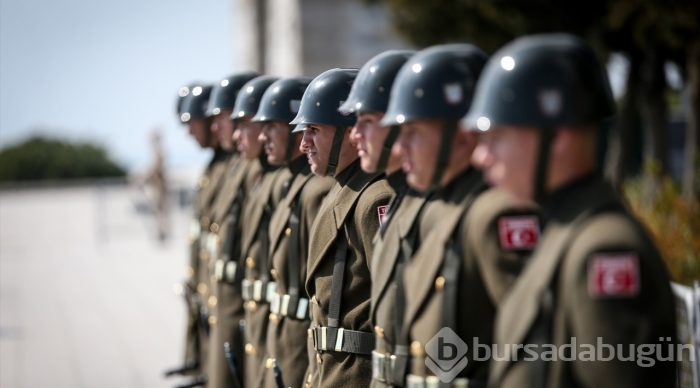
(250, 262)
(439, 283)
(214, 228)
(202, 288)
(288, 232)
(269, 363)
(379, 331)
(212, 301)
(417, 349)
(252, 306)
(273, 272)
(249, 349)
(212, 320)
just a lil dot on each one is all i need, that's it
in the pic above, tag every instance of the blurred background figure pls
(157, 186)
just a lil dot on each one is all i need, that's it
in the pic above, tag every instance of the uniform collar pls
(558, 200)
(344, 176)
(298, 165)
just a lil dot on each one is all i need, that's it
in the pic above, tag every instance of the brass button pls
(202, 288)
(250, 262)
(417, 349)
(212, 301)
(273, 273)
(214, 228)
(269, 362)
(249, 349)
(274, 318)
(252, 306)
(288, 232)
(212, 320)
(439, 283)
(379, 331)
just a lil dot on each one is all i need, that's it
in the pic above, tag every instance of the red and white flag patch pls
(518, 232)
(381, 213)
(613, 275)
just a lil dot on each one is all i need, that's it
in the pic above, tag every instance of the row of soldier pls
(345, 220)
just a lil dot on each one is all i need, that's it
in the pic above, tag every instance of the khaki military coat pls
(286, 336)
(350, 211)
(595, 275)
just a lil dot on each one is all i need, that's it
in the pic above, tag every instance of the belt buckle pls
(219, 269)
(230, 271)
(378, 365)
(275, 304)
(270, 291)
(302, 308)
(213, 245)
(285, 305)
(257, 290)
(339, 340)
(245, 289)
(324, 336)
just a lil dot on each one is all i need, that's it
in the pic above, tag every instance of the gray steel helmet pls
(282, 99)
(322, 98)
(548, 80)
(195, 103)
(249, 97)
(223, 96)
(437, 82)
(182, 94)
(370, 91)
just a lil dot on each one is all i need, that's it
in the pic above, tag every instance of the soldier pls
(290, 226)
(340, 250)
(226, 304)
(596, 277)
(460, 268)
(258, 286)
(196, 288)
(396, 239)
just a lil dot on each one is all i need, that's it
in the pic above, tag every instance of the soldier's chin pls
(367, 164)
(415, 182)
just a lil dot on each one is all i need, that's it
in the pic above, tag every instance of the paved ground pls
(86, 294)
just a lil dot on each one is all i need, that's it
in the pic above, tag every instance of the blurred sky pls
(109, 71)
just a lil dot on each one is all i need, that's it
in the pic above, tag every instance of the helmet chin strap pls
(449, 127)
(386, 147)
(545, 145)
(290, 144)
(334, 154)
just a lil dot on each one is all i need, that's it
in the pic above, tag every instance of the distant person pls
(596, 277)
(156, 178)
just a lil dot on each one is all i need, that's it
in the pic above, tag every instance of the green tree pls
(41, 158)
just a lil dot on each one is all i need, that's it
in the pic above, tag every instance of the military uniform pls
(258, 287)
(595, 274)
(226, 303)
(394, 246)
(290, 228)
(341, 238)
(461, 271)
(198, 273)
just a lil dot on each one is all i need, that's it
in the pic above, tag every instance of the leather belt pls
(341, 340)
(258, 290)
(289, 306)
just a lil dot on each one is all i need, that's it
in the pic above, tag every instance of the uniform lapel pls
(341, 205)
(254, 210)
(281, 215)
(386, 257)
(424, 266)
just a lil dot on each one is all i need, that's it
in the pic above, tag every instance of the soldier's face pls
(418, 144)
(316, 144)
(248, 144)
(369, 137)
(222, 128)
(507, 155)
(199, 131)
(274, 136)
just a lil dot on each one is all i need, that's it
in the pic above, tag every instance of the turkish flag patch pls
(381, 213)
(613, 275)
(518, 232)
